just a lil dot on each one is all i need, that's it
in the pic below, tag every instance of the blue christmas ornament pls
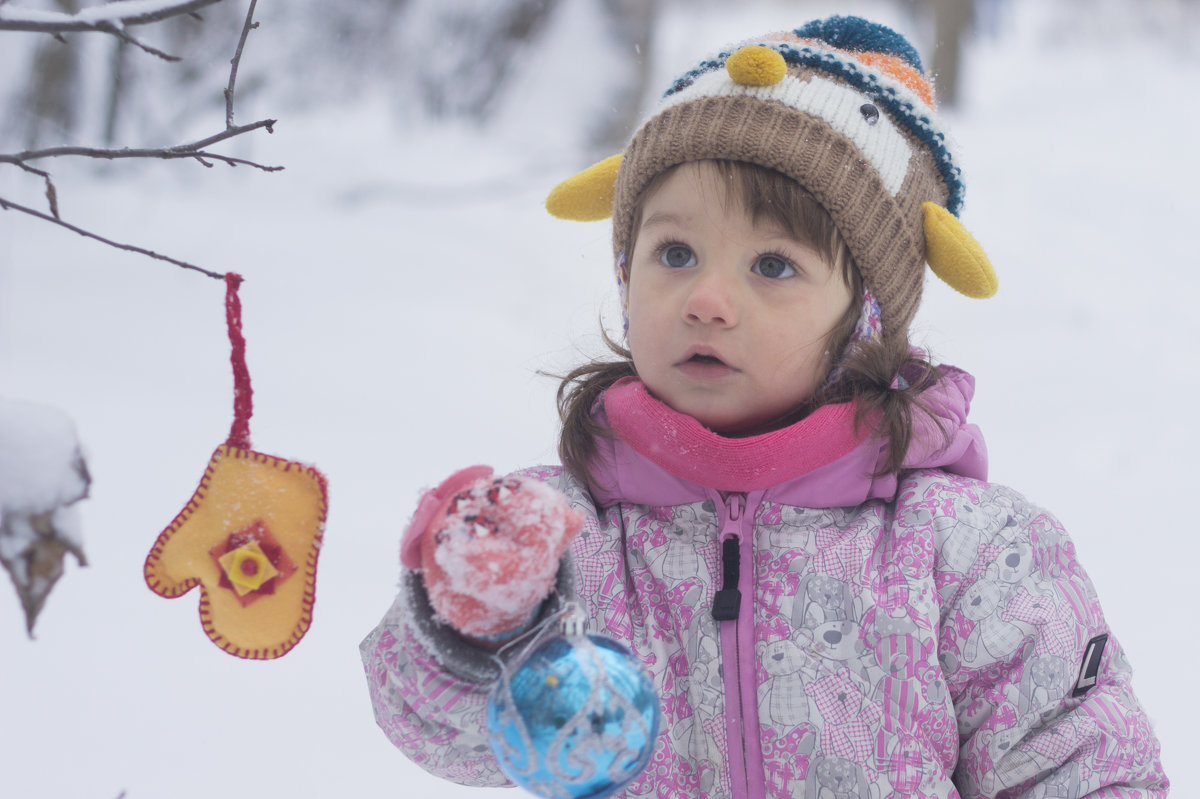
(576, 718)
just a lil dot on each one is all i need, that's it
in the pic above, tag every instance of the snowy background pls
(403, 290)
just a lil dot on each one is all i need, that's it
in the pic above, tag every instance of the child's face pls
(728, 320)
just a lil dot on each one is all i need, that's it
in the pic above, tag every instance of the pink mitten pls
(489, 549)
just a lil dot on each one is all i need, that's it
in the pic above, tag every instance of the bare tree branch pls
(111, 18)
(191, 150)
(7, 205)
(226, 134)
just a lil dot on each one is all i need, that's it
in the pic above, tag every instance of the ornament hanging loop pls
(573, 623)
(569, 622)
(243, 405)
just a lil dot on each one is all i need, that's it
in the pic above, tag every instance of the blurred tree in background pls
(951, 21)
(52, 89)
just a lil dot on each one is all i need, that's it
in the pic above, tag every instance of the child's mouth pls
(701, 366)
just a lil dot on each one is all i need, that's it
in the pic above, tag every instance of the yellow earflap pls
(588, 196)
(955, 256)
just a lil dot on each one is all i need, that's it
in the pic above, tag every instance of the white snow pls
(394, 335)
(39, 450)
(41, 470)
(533, 525)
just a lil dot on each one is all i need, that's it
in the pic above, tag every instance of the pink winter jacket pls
(930, 635)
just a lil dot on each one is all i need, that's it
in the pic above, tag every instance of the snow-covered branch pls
(42, 476)
(111, 18)
(120, 13)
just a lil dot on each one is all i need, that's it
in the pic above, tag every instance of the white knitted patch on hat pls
(839, 104)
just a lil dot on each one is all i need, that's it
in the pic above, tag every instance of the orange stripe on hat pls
(901, 70)
(891, 65)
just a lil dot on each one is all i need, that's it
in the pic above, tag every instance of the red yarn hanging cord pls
(239, 434)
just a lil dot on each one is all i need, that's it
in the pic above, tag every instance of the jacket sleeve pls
(1040, 685)
(429, 685)
(436, 715)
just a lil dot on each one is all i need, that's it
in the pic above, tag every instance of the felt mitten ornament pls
(489, 549)
(249, 536)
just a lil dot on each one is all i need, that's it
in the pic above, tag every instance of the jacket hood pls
(659, 456)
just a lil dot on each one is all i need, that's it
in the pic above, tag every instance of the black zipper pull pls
(728, 600)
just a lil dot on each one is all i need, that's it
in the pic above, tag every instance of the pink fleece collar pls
(681, 445)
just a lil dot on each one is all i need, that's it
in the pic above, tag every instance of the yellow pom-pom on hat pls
(756, 65)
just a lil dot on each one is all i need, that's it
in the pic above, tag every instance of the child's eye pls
(773, 266)
(677, 255)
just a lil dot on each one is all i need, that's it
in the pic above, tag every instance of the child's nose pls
(712, 299)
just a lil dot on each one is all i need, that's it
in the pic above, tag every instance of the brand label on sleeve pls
(1090, 668)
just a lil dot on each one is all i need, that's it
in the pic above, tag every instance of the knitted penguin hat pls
(843, 107)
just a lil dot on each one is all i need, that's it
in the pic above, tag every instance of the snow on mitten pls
(489, 549)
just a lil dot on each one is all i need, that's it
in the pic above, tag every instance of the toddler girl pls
(770, 498)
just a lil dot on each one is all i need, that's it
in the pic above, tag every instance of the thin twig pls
(51, 191)
(236, 60)
(115, 30)
(190, 150)
(228, 133)
(8, 205)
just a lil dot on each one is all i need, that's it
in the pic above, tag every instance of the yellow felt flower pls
(247, 567)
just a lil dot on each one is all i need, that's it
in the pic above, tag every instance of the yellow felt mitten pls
(249, 537)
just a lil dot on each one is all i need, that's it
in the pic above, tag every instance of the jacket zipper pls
(735, 619)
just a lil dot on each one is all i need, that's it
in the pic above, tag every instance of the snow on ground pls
(403, 293)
